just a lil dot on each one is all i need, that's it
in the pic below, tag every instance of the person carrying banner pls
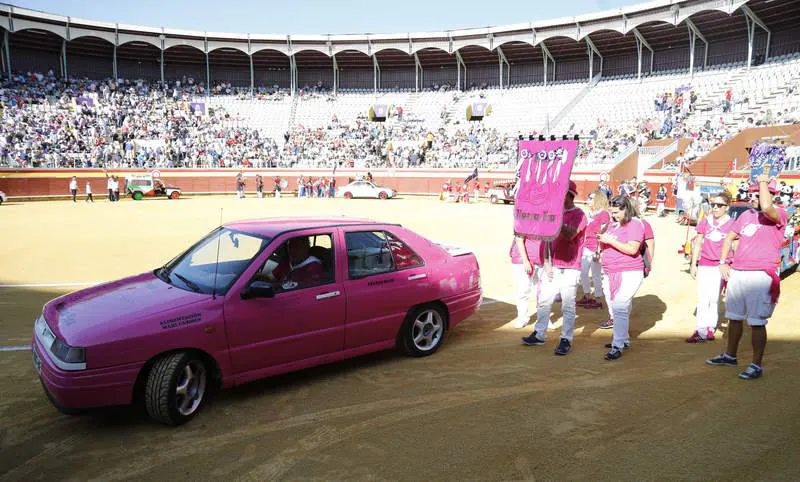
(526, 262)
(753, 281)
(598, 220)
(623, 268)
(704, 267)
(561, 276)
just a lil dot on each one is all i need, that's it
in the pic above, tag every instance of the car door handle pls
(328, 295)
(417, 276)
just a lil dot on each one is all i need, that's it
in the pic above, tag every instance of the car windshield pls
(215, 261)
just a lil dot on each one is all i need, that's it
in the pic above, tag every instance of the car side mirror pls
(258, 289)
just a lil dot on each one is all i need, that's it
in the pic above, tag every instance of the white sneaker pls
(521, 323)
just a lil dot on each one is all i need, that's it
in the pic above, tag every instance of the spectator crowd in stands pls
(51, 122)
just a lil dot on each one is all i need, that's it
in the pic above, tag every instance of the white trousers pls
(524, 283)
(709, 282)
(620, 305)
(564, 282)
(660, 208)
(587, 263)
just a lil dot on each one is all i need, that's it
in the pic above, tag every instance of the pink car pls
(250, 300)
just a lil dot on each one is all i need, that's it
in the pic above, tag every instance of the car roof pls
(271, 227)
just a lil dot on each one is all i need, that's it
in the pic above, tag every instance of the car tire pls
(174, 195)
(137, 196)
(348, 195)
(383, 195)
(506, 202)
(424, 330)
(173, 373)
(493, 199)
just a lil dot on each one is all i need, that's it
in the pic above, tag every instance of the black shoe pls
(627, 346)
(614, 354)
(532, 340)
(563, 347)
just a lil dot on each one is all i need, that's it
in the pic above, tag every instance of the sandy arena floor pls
(483, 408)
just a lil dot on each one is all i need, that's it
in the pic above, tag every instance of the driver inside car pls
(299, 269)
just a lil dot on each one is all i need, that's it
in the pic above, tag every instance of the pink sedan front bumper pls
(71, 391)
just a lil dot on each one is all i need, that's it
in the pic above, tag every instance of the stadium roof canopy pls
(661, 24)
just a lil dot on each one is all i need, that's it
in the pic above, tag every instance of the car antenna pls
(216, 265)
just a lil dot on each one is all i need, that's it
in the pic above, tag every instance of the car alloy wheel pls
(176, 388)
(424, 330)
(137, 196)
(348, 195)
(383, 195)
(174, 195)
(191, 388)
(493, 199)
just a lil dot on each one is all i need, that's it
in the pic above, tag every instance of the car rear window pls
(404, 256)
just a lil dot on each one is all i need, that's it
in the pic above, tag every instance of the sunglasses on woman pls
(619, 203)
(719, 205)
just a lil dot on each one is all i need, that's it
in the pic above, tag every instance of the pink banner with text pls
(544, 168)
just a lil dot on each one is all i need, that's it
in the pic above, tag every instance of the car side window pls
(300, 262)
(368, 253)
(404, 256)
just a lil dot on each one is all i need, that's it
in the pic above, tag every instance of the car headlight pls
(64, 356)
(68, 354)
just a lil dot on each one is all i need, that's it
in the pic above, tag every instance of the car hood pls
(108, 311)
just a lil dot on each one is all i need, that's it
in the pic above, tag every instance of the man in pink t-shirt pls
(753, 282)
(561, 272)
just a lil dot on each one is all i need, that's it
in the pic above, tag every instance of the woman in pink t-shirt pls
(623, 267)
(526, 261)
(711, 233)
(598, 220)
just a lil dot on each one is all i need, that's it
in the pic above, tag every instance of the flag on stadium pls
(472, 176)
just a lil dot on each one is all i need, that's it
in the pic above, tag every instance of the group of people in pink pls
(613, 244)
(463, 192)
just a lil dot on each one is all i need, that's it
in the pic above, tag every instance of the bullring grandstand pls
(687, 75)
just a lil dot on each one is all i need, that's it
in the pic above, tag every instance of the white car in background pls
(365, 189)
(2, 197)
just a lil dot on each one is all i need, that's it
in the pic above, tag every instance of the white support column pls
(640, 44)
(162, 56)
(694, 34)
(64, 59)
(460, 64)
(592, 48)
(335, 74)
(116, 44)
(501, 57)
(375, 69)
(752, 22)
(64, 50)
(6, 40)
(419, 74)
(546, 56)
(250, 57)
(7, 49)
(208, 69)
